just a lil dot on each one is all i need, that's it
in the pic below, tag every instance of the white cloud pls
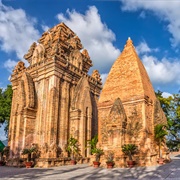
(162, 71)
(10, 64)
(166, 10)
(142, 15)
(95, 36)
(45, 28)
(17, 31)
(166, 94)
(143, 48)
(104, 77)
(2, 87)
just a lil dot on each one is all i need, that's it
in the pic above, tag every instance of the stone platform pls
(170, 171)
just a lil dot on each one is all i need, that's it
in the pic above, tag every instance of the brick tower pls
(128, 109)
(54, 98)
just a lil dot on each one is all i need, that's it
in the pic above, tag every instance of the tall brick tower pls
(54, 98)
(128, 109)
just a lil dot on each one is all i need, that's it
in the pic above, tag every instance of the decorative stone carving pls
(44, 150)
(134, 126)
(53, 96)
(38, 54)
(149, 146)
(53, 149)
(96, 75)
(29, 90)
(47, 39)
(75, 42)
(76, 59)
(81, 113)
(86, 54)
(30, 52)
(128, 80)
(113, 128)
(19, 67)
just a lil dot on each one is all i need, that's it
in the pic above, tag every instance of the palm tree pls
(29, 152)
(130, 150)
(159, 134)
(92, 143)
(94, 150)
(73, 147)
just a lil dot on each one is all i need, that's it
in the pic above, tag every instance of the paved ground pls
(168, 171)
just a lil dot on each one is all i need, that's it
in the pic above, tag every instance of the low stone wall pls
(15, 162)
(142, 160)
(45, 162)
(52, 162)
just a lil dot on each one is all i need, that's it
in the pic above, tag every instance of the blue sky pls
(103, 27)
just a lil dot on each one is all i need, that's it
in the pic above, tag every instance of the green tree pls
(160, 132)
(130, 150)
(92, 143)
(94, 150)
(171, 108)
(29, 152)
(73, 147)
(5, 106)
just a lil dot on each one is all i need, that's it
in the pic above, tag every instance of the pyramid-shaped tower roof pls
(127, 79)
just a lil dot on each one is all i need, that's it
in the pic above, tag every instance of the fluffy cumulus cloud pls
(17, 31)
(45, 28)
(143, 48)
(166, 10)
(104, 77)
(162, 71)
(10, 64)
(166, 94)
(96, 37)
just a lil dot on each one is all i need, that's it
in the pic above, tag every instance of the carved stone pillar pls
(64, 119)
(17, 135)
(11, 138)
(75, 115)
(16, 121)
(89, 130)
(94, 126)
(29, 118)
(11, 135)
(52, 120)
(42, 89)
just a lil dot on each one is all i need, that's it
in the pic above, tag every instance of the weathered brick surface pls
(54, 98)
(136, 113)
(48, 93)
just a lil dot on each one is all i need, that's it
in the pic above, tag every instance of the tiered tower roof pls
(127, 79)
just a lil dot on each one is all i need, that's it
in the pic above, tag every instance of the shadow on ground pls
(34, 173)
(168, 171)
